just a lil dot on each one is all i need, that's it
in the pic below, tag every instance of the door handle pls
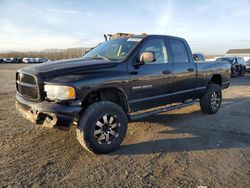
(166, 72)
(190, 69)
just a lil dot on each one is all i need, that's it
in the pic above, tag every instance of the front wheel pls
(210, 102)
(102, 127)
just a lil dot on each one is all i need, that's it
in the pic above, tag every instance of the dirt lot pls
(181, 148)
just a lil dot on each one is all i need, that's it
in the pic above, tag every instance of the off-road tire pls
(206, 101)
(88, 121)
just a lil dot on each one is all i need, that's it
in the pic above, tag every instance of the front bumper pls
(49, 114)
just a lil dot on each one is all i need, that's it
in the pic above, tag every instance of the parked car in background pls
(9, 60)
(41, 60)
(34, 60)
(23, 60)
(45, 60)
(19, 60)
(29, 60)
(238, 65)
(198, 57)
(248, 66)
(26, 60)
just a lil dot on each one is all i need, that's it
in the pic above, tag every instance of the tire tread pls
(205, 99)
(88, 112)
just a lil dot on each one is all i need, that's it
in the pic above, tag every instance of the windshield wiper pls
(99, 57)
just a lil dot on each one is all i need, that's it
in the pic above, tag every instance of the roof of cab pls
(143, 35)
(155, 36)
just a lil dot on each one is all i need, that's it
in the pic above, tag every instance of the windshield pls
(115, 50)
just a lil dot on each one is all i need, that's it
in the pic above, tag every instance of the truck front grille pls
(27, 85)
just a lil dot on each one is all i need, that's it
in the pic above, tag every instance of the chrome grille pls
(27, 85)
(29, 79)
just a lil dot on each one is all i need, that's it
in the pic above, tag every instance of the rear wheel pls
(102, 127)
(210, 102)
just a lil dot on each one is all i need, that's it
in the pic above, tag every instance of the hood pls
(66, 67)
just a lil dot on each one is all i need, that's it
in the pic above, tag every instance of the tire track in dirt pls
(69, 164)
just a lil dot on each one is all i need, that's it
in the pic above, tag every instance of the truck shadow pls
(192, 132)
(240, 80)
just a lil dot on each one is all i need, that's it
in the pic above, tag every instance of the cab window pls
(159, 48)
(179, 50)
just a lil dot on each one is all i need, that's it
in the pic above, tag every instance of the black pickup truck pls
(120, 80)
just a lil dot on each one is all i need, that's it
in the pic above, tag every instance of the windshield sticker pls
(134, 39)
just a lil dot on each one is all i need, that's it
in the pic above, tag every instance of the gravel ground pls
(181, 148)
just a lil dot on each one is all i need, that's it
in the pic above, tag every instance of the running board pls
(164, 109)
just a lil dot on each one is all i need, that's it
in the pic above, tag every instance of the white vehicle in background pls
(29, 60)
(8, 60)
(34, 60)
(39, 60)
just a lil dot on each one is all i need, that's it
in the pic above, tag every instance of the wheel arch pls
(113, 94)
(215, 79)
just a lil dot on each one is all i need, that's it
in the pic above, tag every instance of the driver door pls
(151, 83)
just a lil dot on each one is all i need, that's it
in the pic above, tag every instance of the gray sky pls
(210, 26)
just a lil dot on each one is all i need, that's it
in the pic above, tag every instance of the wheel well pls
(216, 79)
(107, 94)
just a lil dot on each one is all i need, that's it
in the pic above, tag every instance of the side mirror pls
(147, 57)
(195, 58)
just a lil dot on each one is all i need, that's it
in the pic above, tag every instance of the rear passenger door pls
(184, 70)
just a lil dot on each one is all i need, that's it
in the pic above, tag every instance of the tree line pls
(51, 54)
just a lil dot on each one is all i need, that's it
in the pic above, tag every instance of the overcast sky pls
(210, 26)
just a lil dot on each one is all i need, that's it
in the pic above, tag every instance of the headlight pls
(59, 92)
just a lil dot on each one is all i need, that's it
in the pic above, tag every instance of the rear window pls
(179, 50)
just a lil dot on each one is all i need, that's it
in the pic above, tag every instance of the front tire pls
(210, 102)
(102, 127)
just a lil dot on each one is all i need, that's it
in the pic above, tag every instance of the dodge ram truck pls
(120, 80)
